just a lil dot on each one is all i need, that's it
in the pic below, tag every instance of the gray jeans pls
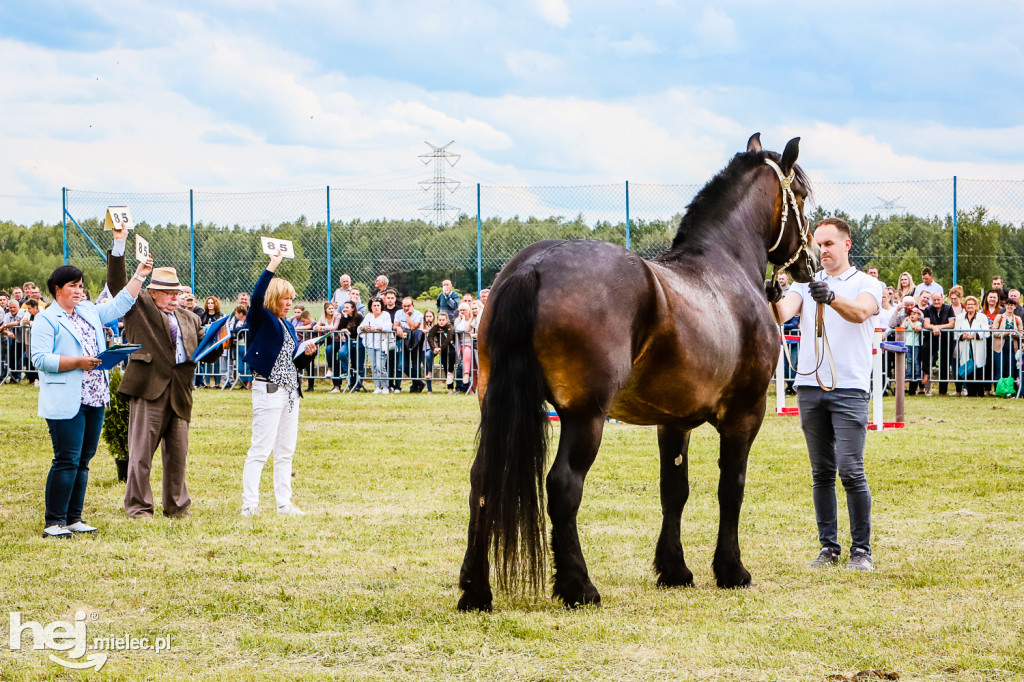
(835, 424)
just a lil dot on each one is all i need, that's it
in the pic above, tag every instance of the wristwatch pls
(141, 279)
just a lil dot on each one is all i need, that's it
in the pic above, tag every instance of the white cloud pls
(555, 12)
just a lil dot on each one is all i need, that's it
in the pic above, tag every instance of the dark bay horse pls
(676, 341)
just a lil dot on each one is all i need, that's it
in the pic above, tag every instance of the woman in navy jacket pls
(66, 338)
(273, 356)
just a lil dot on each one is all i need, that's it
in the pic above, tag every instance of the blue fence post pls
(64, 219)
(627, 216)
(479, 245)
(329, 280)
(192, 240)
(954, 230)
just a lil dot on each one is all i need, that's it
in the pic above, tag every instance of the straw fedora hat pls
(165, 279)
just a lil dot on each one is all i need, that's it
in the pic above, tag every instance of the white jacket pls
(979, 327)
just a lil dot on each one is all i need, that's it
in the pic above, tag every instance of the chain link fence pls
(213, 238)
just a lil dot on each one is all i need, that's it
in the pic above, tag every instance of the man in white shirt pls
(835, 422)
(408, 327)
(340, 296)
(928, 284)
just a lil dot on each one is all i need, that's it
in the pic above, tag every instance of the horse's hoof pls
(574, 598)
(732, 578)
(680, 578)
(469, 602)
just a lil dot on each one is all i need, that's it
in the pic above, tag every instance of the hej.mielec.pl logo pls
(71, 639)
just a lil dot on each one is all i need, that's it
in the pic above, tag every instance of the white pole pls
(876, 380)
(780, 379)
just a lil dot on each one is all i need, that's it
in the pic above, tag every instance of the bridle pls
(789, 197)
(822, 349)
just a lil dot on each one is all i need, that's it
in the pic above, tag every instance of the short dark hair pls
(65, 274)
(840, 225)
(241, 309)
(32, 303)
(4, 293)
(927, 271)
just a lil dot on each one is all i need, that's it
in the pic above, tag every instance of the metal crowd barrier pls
(944, 359)
(16, 355)
(348, 363)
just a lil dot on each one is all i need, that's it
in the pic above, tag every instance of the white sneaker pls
(36, 384)
(80, 527)
(56, 532)
(291, 510)
(335, 390)
(250, 511)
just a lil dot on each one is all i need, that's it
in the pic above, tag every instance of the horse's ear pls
(754, 143)
(789, 155)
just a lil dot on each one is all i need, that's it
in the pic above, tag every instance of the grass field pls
(365, 585)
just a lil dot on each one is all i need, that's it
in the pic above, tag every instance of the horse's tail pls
(512, 440)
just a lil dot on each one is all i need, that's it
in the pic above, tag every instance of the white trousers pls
(274, 429)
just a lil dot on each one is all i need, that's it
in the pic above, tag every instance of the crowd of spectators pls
(388, 344)
(950, 338)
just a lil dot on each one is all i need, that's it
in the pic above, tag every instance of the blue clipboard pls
(210, 341)
(115, 355)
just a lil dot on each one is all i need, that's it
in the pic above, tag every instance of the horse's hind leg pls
(577, 449)
(474, 578)
(732, 464)
(669, 564)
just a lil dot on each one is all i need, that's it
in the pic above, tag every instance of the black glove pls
(821, 293)
(773, 290)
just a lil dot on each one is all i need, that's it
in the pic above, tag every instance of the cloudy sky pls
(245, 95)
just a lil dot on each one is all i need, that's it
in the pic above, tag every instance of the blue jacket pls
(54, 335)
(266, 332)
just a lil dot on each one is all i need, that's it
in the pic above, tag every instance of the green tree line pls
(416, 255)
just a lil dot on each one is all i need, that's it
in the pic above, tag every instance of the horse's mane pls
(703, 214)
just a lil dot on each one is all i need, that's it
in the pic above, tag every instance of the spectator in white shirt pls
(928, 284)
(375, 329)
(341, 293)
(408, 327)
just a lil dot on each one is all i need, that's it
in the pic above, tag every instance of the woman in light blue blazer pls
(66, 338)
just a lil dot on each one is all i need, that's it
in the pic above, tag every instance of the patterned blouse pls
(283, 372)
(95, 390)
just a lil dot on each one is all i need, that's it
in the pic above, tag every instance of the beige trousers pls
(153, 423)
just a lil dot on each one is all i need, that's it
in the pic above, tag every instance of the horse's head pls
(791, 247)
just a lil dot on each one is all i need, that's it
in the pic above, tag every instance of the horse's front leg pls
(732, 464)
(669, 564)
(474, 578)
(577, 448)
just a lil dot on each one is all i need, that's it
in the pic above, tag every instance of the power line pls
(440, 210)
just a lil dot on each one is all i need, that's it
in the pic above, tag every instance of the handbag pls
(967, 369)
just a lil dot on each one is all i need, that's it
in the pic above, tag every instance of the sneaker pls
(860, 561)
(291, 510)
(80, 527)
(335, 390)
(827, 557)
(378, 391)
(57, 532)
(250, 511)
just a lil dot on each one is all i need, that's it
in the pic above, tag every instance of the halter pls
(788, 197)
(820, 337)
